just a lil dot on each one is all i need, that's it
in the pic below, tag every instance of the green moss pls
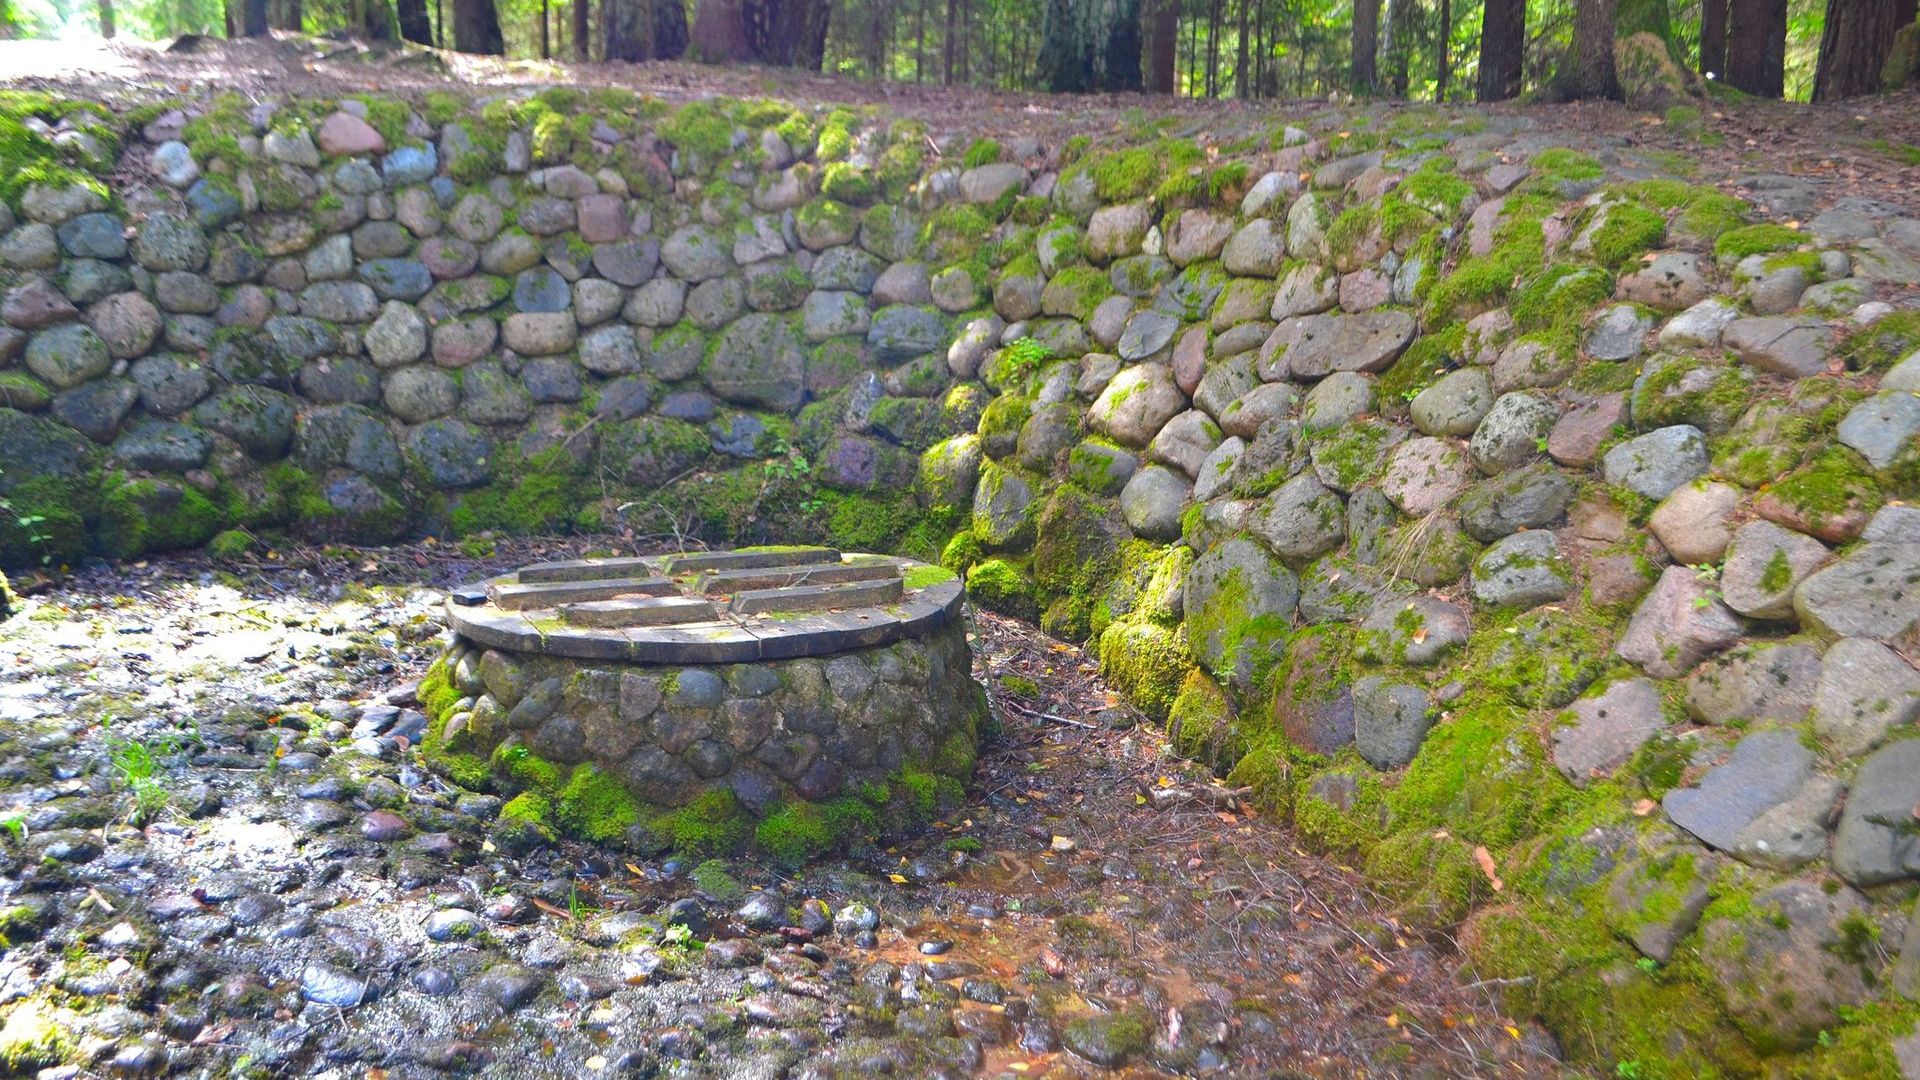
(1738, 243)
(1146, 663)
(1343, 811)
(712, 824)
(526, 769)
(1132, 172)
(701, 128)
(1561, 165)
(962, 552)
(1200, 721)
(1835, 482)
(1431, 874)
(529, 815)
(549, 492)
(139, 516)
(595, 806)
(1559, 295)
(848, 183)
(1003, 586)
(1886, 342)
(1482, 775)
(36, 1035)
(1628, 231)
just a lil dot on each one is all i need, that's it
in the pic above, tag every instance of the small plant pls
(680, 939)
(138, 763)
(15, 826)
(1025, 356)
(1647, 964)
(1628, 1070)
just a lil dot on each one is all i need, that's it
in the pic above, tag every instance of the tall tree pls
(253, 18)
(1443, 52)
(285, 15)
(947, 43)
(1065, 62)
(1757, 47)
(1163, 53)
(1398, 34)
(582, 13)
(414, 24)
(643, 29)
(1854, 44)
(1240, 72)
(1121, 69)
(720, 32)
(1503, 44)
(476, 27)
(1587, 70)
(374, 19)
(790, 33)
(1366, 42)
(106, 18)
(1713, 37)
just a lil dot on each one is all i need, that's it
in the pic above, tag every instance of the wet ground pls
(220, 856)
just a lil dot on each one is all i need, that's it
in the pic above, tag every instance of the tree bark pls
(1443, 53)
(720, 32)
(1398, 46)
(1587, 70)
(1757, 47)
(1713, 38)
(1121, 71)
(627, 29)
(476, 27)
(375, 19)
(253, 18)
(1213, 49)
(1164, 50)
(1366, 42)
(414, 24)
(946, 46)
(106, 18)
(582, 14)
(1240, 72)
(1503, 44)
(1854, 45)
(284, 14)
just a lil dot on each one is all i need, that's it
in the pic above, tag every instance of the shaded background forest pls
(1428, 50)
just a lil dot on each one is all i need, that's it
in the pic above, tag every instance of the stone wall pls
(1523, 521)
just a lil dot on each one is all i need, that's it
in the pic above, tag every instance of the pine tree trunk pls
(1713, 37)
(1853, 46)
(1213, 49)
(1503, 45)
(1587, 70)
(1366, 42)
(476, 27)
(1398, 46)
(627, 29)
(414, 24)
(375, 19)
(253, 18)
(106, 19)
(1240, 57)
(582, 30)
(669, 30)
(1163, 53)
(1443, 54)
(1120, 67)
(946, 47)
(1757, 47)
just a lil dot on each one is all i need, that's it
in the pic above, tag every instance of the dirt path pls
(1090, 882)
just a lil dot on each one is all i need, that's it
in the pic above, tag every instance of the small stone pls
(1866, 690)
(1694, 523)
(343, 134)
(1656, 463)
(1603, 731)
(1679, 624)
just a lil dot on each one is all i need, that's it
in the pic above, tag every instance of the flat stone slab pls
(723, 607)
(646, 611)
(816, 597)
(510, 596)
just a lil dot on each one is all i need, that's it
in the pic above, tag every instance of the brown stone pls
(1579, 433)
(346, 135)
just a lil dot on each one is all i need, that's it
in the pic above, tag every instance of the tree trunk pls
(1240, 57)
(476, 27)
(1121, 70)
(1854, 45)
(1443, 54)
(669, 29)
(1397, 34)
(106, 18)
(1713, 38)
(1503, 45)
(1757, 47)
(1065, 62)
(414, 24)
(253, 18)
(946, 46)
(375, 20)
(1213, 49)
(627, 29)
(1587, 70)
(1163, 53)
(720, 32)
(284, 15)
(582, 30)
(1366, 41)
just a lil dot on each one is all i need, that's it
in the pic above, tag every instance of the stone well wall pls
(1522, 517)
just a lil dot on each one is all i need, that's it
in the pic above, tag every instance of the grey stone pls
(1137, 403)
(127, 322)
(398, 336)
(260, 420)
(1455, 405)
(1793, 935)
(1152, 502)
(450, 453)
(66, 356)
(1146, 334)
(1531, 497)
(1618, 333)
(1700, 326)
(1390, 721)
(1764, 564)
(1184, 441)
(1238, 602)
(1767, 683)
(1523, 570)
(1883, 427)
(170, 242)
(93, 236)
(901, 333)
(1258, 249)
(1418, 631)
(542, 333)
(1868, 593)
(1876, 841)
(1865, 691)
(609, 351)
(1680, 623)
(758, 361)
(418, 393)
(97, 408)
(1657, 462)
(1302, 519)
(163, 445)
(169, 383)
(1424, 474)
(1657, 900)
(1512, 432)
(1369, 341)
(1599, 733)
(1670, 281)
(1795, 347)
(1003, 508)
(1765, 769)
(1337, 401)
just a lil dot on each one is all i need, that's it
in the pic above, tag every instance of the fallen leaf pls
(897, 879)
(1485, 858)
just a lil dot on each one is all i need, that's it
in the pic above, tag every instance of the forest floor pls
(308, 901)
(1868, 147)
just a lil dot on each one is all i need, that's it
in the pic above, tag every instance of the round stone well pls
(776, 676)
